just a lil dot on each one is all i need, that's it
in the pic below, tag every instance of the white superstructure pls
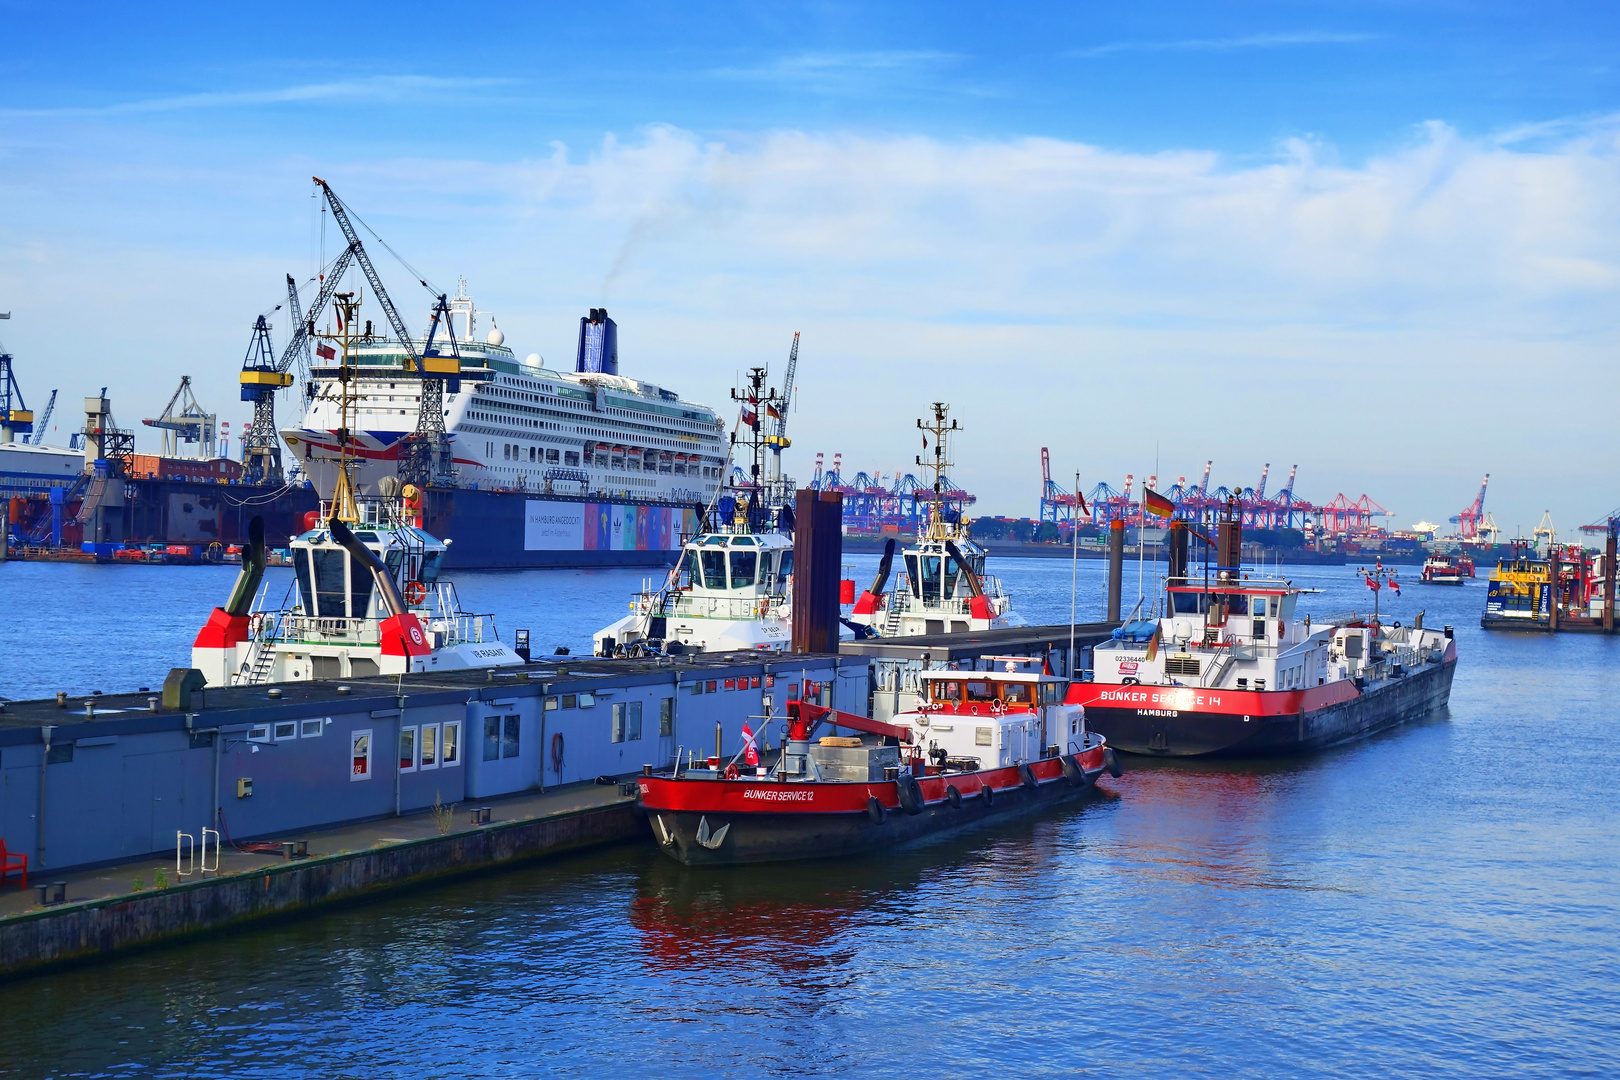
(518, 425)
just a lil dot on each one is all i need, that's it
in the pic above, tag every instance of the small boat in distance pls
(1447, 569)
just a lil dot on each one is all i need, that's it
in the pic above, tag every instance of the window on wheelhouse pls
(432, 563)
(1015, 693)
(786, 569)
(953, 572)
(330, 585)
(694, 575)
(743, 565)
(913, 577)
(930, 579)
(944, 691)
(714, 569)
(979, 691)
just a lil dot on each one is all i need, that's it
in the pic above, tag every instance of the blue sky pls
(1377, 240)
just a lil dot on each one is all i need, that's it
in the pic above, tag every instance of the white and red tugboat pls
(944, 589)
(731, 588)
(366, 599)
(1228, 669)
(979, 745)
(1447, 569)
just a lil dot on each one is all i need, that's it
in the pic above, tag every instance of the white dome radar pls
(534, 359)
(495, 336)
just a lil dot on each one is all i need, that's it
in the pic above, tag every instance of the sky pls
(1377, 241)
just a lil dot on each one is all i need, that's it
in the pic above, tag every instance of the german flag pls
(1157, 504)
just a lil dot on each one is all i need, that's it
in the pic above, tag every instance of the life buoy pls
(557, 753)
(910, 792)
(415, 592)
(953, 796)
(876, 810)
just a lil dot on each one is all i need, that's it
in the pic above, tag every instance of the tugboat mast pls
(752, 515)
(939, 463)
(344, 507)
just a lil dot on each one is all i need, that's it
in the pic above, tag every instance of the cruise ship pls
(552, 468)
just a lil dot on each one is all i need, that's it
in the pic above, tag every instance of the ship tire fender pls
(1111, 763)
(953, 796)
(876, 810)
(1072, 770)
(988, 794)
(1027, 775)
(910, 793)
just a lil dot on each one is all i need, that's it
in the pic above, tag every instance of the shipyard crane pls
(44, 424)
(1468, 518)
(15, 417)
(187, 424)
(427, 451)
(263, 375)
(777, 440)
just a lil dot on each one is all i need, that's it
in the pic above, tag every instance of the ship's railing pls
(319, 629)
(463, 629)
(376, 511)
(687, 605)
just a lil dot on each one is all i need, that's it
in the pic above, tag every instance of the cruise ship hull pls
(1156, 727)
(494, 530)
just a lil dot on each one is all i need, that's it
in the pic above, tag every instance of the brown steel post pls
(818, 551)
(1609, 583)
(1116, 566)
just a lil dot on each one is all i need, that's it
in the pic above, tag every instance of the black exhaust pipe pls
(247, 582)
(386, 588)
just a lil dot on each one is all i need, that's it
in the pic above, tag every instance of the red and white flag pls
(750, 749)
(749, 416)
(325, 352)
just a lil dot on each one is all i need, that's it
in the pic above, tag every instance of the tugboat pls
(944, 588)
(369, 598)
(1228, 669)
(731, 588)
(978, 745)
(1447, 569)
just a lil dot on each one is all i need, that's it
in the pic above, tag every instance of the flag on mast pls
(750, 749)
(1157, 504)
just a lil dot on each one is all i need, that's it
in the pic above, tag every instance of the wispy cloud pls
(840, 70)
(380, 88)
(1228, 44)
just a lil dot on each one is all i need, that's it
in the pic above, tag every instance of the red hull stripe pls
(833, 797)
(1199, 699)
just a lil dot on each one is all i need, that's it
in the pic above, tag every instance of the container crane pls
(427, 452)
(776, 440)
(1468, 518)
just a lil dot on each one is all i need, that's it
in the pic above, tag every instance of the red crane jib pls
(809, 712)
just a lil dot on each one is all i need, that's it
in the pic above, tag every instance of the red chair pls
(12, 864)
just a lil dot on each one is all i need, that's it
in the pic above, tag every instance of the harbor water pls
(1437, 901)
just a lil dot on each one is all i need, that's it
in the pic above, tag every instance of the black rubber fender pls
(1111, 763)
(1027, 775)
(910, 792)
(988, 794)
(876, 810)
(1072, 770)
(953, 796)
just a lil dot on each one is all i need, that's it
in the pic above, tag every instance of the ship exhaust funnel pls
(598, 350)
(252, 573)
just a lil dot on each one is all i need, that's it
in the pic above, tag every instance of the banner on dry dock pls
(569, 526)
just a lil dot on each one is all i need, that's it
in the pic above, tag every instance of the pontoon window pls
(743, 564)
(714, 569)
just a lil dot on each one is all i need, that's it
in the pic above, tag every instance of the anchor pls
(712, 841)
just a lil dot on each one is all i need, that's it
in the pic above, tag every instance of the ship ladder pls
(1217, 669)
(262, 658)
(891, 625)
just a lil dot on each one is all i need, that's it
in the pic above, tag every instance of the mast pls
(754, 397)
(344, 508)
(940, 430)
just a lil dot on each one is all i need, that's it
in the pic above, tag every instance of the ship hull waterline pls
(1191, 733)
(753, 836)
